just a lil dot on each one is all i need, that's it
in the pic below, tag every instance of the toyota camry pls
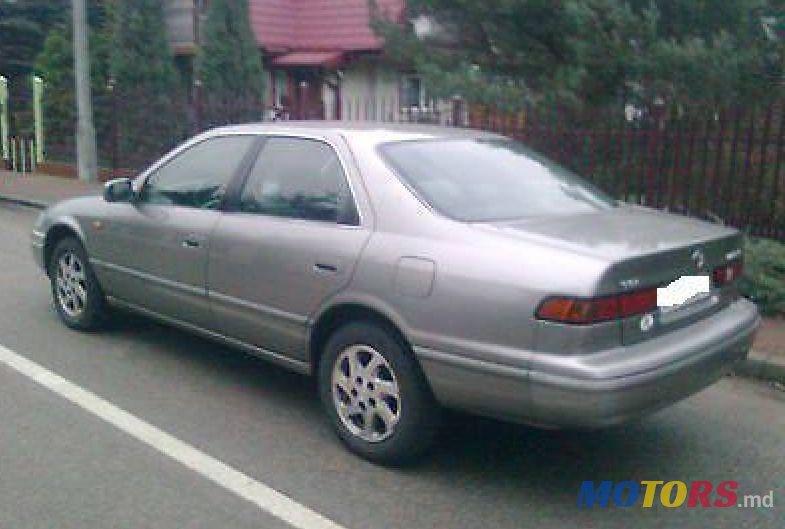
(410, 268)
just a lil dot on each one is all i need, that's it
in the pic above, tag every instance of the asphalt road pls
(61, 466)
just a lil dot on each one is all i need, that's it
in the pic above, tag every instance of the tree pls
(55, 65)
(23, 27)
(151, 112)
(229, 65)
(592, 52)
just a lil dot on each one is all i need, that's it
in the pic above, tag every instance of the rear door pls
(153, 252)
(290, 241)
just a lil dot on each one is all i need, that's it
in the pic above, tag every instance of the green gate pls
(22, 150)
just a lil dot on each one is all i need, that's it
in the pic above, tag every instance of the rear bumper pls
(597, 389)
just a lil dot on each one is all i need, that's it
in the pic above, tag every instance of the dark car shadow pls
(470, 448)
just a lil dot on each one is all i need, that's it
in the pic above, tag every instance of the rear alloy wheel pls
(77, 296)
(375, 394)
(365, 393)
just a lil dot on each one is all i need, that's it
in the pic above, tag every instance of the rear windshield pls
(477, 180)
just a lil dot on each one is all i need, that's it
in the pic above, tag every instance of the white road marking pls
(265, 498)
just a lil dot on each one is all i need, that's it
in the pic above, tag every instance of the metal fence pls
(723, 164)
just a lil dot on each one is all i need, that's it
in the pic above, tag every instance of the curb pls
(24, 202)
(752, 367)
(760, 368)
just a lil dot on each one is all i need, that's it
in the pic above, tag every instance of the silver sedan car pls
(410, 268)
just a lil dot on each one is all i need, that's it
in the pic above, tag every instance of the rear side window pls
(198, 176)
(477, 180)
(298, 178)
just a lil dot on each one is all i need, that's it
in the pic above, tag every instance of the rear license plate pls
(684, 291)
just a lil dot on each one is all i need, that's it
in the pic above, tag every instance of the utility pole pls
(86, 155)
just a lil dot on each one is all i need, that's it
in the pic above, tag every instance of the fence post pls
(4, 118)
(198, 105)
(22, 156)
(670, 180)
(688, 187)
(657, 155)
(111, 86)
(753, 218)
(726, 194)
(33, 155)
(627, 146)
(607, 155)
(744, 207)
(776, 179)
(717, 177)
(457, 112)
(38, 118)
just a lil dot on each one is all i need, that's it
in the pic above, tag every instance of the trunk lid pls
(643, 248)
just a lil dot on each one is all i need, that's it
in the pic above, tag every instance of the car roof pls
(370, 132)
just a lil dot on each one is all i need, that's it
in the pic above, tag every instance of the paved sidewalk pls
(767, 359)
(41, 190)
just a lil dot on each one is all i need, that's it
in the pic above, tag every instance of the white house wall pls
(369, 90)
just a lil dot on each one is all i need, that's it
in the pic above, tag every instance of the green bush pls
(764, 277)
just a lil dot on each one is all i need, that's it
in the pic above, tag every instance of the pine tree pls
(229, 65)
(594, 52)
(151, 110)
(55, 65)
(23, 27)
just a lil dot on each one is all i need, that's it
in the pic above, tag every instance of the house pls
(322, 58)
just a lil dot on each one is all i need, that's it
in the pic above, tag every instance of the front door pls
(291, 241)
(307, 94)
(153, 252)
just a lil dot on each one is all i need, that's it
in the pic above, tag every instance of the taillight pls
(637, 302)
(584, 311)
(727, 273)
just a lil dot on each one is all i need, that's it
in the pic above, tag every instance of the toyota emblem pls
(698, 258)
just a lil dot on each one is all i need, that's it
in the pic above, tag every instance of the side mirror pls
(119, 190)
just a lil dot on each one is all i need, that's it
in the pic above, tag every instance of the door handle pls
(325, 268)
(191, 243)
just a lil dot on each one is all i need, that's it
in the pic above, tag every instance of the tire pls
(77, 296)
(388, 387)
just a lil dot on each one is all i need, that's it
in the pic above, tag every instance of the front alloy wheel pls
(71, 284)
(77, 295)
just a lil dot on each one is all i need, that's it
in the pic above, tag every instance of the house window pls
(412, 94)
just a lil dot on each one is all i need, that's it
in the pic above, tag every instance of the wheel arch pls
(341, 313)
(56, 233)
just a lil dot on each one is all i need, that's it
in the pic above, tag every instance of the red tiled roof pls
(309, 58)
(336, 25)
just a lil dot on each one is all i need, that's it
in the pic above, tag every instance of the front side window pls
(297, 178)
(478, 180)
(198, 177)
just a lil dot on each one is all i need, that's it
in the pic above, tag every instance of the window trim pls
(233, 202)
(167, 159)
